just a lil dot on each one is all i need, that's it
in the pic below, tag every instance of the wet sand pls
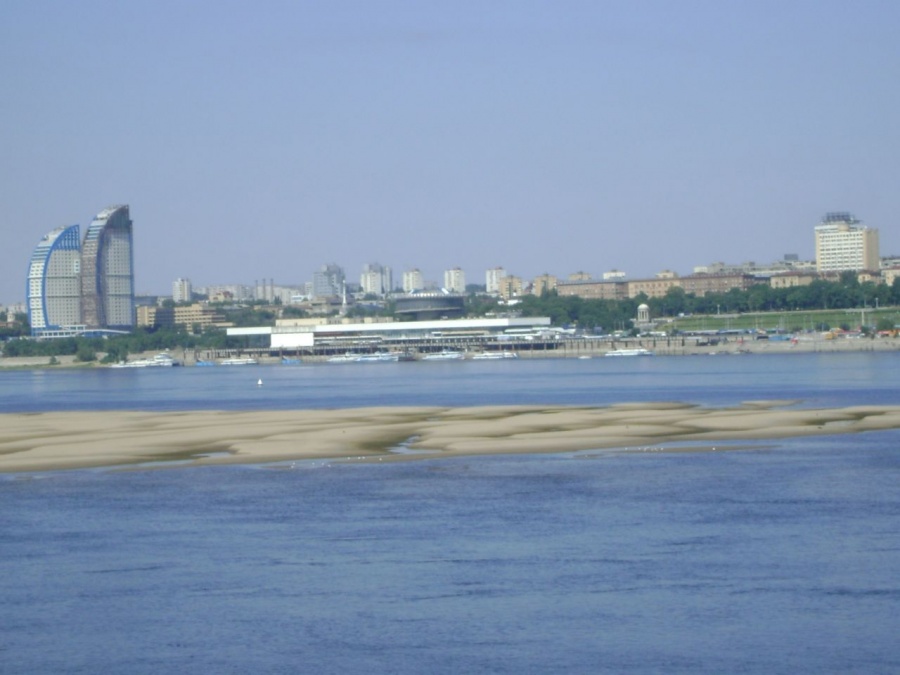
(71, 440)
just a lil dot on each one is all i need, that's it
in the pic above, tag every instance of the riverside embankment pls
(567, 348)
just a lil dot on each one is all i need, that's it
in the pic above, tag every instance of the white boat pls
(446, 355)
(239, 361)
(389, 357)
(494, 356)
(377, 357)
(159, 361)
(344, 358)
(629, 352)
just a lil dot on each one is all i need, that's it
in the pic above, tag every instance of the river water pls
(780, 557)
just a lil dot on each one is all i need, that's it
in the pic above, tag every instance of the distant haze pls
(263, 140)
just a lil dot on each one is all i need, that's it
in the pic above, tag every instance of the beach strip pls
(71, 440)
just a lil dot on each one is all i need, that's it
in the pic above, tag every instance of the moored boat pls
(377, 357)
(239, 361)
(343, 358)
(445, 355)
(162, 360)
(494, 356)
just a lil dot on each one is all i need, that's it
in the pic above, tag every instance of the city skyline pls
(269, 140)
(327, 280)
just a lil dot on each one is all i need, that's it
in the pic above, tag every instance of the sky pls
(266, 139)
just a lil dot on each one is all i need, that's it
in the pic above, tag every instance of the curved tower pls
(107, 273)
(54, 281)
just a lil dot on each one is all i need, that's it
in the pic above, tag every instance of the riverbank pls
(568, 349)
(74, 440)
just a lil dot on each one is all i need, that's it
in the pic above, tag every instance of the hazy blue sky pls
(265, 139)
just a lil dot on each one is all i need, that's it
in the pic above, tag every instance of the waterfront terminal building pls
(323, 337)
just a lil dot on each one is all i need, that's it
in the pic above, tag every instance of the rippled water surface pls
(773, 558)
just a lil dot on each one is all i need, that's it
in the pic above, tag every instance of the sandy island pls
(71, 440)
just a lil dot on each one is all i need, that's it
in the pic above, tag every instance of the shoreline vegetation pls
(54, 441)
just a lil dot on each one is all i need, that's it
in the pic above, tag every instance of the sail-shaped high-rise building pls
(54, 282)
(107, 271)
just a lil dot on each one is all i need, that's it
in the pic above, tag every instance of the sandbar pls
(53, 441)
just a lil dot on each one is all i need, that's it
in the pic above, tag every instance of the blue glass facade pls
(54, 288)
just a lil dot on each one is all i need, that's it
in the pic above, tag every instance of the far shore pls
(56, 441)
(676, 346)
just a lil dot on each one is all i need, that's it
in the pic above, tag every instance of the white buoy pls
(259, 383)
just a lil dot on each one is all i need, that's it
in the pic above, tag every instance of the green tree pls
(86, 354)
(291, 312)
(672, 304)
(115, 352)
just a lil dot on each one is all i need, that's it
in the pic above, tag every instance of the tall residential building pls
(413, 281)
(455, 280)
(492, 279)
(545, 282)
(107, 271)
(844, 244)
(54, 281)
(511, 287)
(328, 282)
(182, 291)
(376, 279)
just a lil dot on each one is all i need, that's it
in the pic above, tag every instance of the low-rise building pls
(301, 334)
(594, 290)
(792, 279)
(657, 287)
(187, 316)
(890, 274)
(653, 288)
(703, 284)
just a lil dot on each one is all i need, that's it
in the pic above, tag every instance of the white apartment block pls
(228, 293)
(843, 244)
(413, 281)
(376, 279)
(492, 278)
(455, 280)
(328, 281)
(182, 290)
